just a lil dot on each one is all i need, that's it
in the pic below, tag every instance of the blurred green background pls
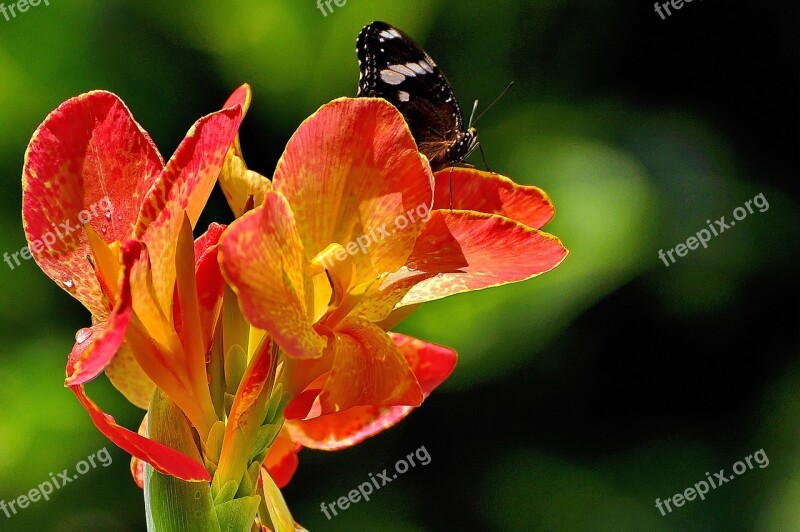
(581, 396)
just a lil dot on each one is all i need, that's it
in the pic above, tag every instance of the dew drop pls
(108, 215)
(68, 283)
(119, 217)
(83, 335)
(104, 228)
(439, 275)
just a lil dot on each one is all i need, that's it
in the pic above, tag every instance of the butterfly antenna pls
(472, 115)
(491, 104)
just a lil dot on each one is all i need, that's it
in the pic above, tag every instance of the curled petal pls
(460, 251)
(262, 258)
(476, 190)
(353, 175)
(368, 369)
(241, 186)
(281, 460)
(184, 185)
(89, 162)
(96, 347)
(163, 459)
(431, 365)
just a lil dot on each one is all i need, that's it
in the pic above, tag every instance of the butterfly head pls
(465, 145)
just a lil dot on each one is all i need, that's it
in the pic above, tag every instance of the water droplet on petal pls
(68, 283)
(439, 275)
(104, 228)
(108, 215)
(83, 335)
(119, 217)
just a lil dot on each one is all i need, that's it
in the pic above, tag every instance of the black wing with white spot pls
(395, 68)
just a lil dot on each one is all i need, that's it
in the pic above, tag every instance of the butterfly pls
(397, 69)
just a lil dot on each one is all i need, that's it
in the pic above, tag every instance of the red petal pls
(281, 460)
(184, 185)
(210, 284)
(89, 358)
(351, 170)
(476, 190)
(88, 153)
(460, 251)
(431, 364)
(163, 459)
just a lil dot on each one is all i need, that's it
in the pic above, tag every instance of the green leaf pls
(171, 503)
(236, 515)
(282, 520)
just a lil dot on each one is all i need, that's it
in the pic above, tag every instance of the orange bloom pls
(153, 293)
(354, 234)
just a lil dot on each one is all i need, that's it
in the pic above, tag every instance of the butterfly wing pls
(395, 68)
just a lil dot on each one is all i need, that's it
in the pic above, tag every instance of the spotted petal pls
(104, 339)
(184, 185)
(262, 258)
(89, 162)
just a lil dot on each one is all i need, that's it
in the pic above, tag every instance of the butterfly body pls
(395, 68)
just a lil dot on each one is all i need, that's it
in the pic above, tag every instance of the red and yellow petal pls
(137, 466)
(210, 284)
(262, 258)
(88, 162)
(281, 460)
(431, 365)
(349, 172)
(163, 459)
(95, 347)
(476, 190)
(368, 369)
(460, 251)
(184, 185)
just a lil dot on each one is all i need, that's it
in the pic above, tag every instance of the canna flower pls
(154, 294)
(354, 233)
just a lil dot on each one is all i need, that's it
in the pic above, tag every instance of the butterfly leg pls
(483, 156)
(451, 187)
